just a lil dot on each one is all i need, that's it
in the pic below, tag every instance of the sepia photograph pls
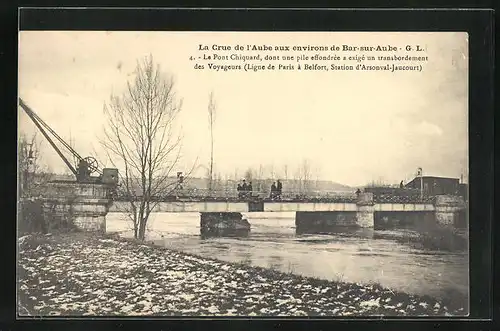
(265, 174)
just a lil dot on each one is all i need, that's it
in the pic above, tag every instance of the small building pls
(436, 185)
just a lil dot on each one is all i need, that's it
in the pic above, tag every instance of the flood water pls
(362, 256)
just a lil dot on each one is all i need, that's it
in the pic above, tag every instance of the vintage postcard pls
(243, 174)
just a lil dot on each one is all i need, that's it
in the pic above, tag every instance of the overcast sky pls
(353, 127)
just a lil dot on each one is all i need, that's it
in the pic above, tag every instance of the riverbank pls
(82, 274)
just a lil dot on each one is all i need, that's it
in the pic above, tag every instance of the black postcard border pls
(479, 25)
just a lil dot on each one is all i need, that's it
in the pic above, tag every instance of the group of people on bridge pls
(276, 190)
(245, 190)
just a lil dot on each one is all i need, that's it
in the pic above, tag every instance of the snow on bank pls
(81, 274)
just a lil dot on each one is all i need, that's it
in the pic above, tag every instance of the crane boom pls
(85, 166)
(39, 123)
(64, 143)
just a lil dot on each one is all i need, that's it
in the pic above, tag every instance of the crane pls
(85, 167)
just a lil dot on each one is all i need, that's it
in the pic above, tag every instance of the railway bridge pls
(86, 201)
(91, 203)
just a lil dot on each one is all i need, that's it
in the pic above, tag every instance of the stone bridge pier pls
(450, 210)
(365, 210)
(81, 206)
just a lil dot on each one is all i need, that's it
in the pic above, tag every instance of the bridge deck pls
(270, 206)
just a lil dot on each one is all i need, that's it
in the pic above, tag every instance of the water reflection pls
(402, 260)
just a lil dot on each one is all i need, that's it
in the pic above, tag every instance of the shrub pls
(30, 217)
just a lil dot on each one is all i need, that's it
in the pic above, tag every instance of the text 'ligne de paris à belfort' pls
(298, 54)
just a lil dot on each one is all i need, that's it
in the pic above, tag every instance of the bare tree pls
(31, 173)
(317, 175)
(260, 176)
(256, 176)
(297, 180)
(248, 174)
(285, 172)
(306, 175)
(212, 107)
(32, 180)
(271, 171)
(302, 176)
(218, 181)
(140, 136)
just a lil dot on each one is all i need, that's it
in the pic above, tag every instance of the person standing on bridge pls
(239, 189)
(249, 187)
(244, 188)
(279, 189)
(273, 190)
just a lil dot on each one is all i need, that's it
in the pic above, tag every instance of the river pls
(361, 256)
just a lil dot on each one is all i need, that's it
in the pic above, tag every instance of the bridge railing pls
(264, 195)
(232, 195)
(386, 198)
(287, 195)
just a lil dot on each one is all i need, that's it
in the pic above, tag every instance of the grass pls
(82, 274)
